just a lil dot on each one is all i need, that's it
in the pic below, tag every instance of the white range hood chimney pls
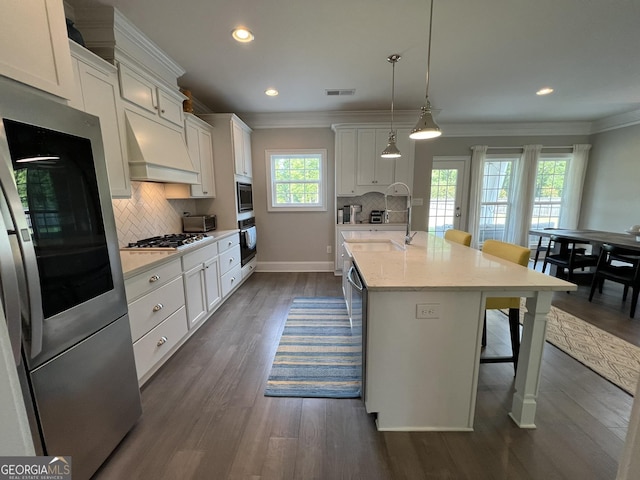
(157, 153)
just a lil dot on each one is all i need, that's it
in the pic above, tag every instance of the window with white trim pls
(496, 198)
(296, 180)
(549, 189)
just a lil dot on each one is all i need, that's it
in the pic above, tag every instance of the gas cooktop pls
(172, 241)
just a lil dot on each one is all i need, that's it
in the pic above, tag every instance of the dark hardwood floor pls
(205, 415)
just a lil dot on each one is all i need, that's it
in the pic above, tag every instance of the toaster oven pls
(198, 223)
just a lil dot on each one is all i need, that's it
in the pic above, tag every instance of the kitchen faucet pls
(408, 237)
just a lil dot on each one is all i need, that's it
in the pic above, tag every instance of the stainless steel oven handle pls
(350, 277)
(28, 254)
(10, 292)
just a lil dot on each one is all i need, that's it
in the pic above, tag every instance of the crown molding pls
(406, 119)
(614, 122)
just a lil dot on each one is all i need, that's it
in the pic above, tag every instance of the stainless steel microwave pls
(245, 197)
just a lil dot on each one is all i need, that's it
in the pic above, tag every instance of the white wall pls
(286, 236)
(611, 195)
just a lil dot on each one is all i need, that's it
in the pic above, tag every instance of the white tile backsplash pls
(375, 201)
(148, 213)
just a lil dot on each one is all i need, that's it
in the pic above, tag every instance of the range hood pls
(157, 153)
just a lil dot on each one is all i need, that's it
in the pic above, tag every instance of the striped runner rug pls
(318, 356)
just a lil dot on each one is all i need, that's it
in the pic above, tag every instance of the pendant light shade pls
(391, 150)
(426, 126)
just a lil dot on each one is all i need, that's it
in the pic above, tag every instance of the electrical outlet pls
(428, 310)
(328, 248)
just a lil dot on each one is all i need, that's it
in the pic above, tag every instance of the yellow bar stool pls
(458, 236)
(516, 254)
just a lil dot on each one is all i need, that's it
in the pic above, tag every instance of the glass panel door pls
(56, 182)
(449, 186)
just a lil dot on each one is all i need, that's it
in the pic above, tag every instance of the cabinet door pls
(137, 89)
(366, 157)
(238, 149)
(212, 283)
(170, 107)
(35, 47)
(404, 164)
(195, 296)
(246, 153)
(374, 170)
(101, 98)
(207, 187)
(346, 147)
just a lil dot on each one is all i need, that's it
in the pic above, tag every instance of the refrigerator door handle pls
(10, 292)
(27, 253)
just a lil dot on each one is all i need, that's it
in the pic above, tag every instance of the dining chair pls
(545, 247)
(458, 236)
(564, 254)
(621, 266)
(516, 254)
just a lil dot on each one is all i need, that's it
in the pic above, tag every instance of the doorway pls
(449, 194)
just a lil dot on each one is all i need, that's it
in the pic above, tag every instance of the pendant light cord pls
(429, 48)
(393, 85)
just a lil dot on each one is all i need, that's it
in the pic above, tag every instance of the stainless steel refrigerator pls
(61, 280)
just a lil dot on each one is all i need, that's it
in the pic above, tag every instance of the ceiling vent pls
(340, 93)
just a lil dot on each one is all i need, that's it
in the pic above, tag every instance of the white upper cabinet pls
(200, 146)
(241, 137)
(144, 92)
(346, 148)
(35, 49)
(374, 170)
(96, 92)
(359, 167)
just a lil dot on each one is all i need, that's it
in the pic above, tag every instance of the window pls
(496, 199)
(296, 180)
(549, 189)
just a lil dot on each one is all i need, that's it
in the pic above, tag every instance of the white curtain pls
(572, 195)
(479, 153)
(522, 195)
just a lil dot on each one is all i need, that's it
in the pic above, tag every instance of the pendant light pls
(391, 151)
(426, 126)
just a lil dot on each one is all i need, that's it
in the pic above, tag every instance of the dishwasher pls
(359, 317)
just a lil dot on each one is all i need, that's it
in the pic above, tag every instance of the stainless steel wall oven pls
(248, 239)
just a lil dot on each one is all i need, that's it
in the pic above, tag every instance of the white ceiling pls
(488, 57)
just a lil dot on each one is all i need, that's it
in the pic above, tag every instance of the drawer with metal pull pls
(150, 310)
(151, 348)
(229, 259)
(228, 243)
(152, 279)
(231, 279)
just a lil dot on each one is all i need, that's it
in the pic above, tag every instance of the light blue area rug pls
(318, 356)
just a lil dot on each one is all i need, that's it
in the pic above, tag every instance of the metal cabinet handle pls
(162, 341)
(233, 279)
(231, 260)
(157, 307)
(230, 243)
(154, 278)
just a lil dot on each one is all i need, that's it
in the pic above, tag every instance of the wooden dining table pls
(594, 237)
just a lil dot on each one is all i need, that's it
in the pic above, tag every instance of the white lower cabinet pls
(168, 302)
(231, 280)
(155, 345)
(201, 283)
(157, 314)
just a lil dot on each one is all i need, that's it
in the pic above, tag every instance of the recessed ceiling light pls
(544, 91)
(271, 92)
(242, 35)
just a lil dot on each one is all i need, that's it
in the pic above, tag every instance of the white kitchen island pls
(422, 373)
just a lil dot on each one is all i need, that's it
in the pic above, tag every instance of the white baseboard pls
(295, 267)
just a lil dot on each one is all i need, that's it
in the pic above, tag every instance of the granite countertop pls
(430, 262)
(136, 261)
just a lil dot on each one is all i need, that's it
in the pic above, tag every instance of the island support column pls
(523, 408)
